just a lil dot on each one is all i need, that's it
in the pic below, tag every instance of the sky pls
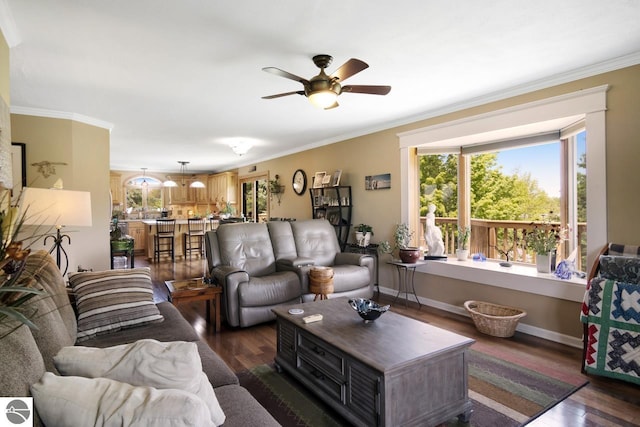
(543, 161)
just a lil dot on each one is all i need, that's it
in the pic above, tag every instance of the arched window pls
(142, 194)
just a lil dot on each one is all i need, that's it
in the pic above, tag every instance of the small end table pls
(123, 247)
(183, 291)
(406, 273)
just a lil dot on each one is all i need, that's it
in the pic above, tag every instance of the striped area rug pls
(504, 393)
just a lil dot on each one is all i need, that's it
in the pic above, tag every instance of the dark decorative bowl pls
(367, 309)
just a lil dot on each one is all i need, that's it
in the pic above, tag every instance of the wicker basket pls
(321, 280)
(493, 319)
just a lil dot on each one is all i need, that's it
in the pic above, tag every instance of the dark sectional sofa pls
(26, 354)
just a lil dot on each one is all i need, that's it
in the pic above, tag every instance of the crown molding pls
(52, 114)
(8, 25)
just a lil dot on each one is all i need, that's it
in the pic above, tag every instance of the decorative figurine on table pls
(433, 234)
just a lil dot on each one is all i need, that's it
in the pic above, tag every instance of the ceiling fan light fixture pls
(323, 98)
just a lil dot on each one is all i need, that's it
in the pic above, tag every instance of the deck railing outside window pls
(494, 238)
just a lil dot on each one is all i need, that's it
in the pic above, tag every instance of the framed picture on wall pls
(377, 182)
(19, 167)
(317, 179)
(335, 180)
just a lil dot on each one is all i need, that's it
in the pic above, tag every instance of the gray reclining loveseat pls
(264, 265)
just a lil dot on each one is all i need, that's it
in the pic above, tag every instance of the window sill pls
(519, 277)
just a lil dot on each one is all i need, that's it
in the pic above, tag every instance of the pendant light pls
(183, 169)
(144, 183)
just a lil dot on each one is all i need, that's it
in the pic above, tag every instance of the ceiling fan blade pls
(348, 69)
(372, 90)
(285, 74)
(279, 95)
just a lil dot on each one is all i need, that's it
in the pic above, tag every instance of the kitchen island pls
(182, 228)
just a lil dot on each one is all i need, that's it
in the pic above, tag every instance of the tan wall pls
(4, 70)
(85, 150)
(379, 153)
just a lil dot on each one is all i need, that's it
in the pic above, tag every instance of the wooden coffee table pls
(183, 291)
(391, 372)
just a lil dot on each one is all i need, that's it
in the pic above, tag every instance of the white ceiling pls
(177, 80)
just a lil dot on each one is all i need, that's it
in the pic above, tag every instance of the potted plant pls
(363, 234)
(463, 243)
(543, 240)
(402, 236)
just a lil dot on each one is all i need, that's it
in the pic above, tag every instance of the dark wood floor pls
(603, 402)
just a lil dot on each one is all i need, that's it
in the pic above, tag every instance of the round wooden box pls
(321, 281)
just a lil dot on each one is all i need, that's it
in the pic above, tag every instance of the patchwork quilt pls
(611, 310)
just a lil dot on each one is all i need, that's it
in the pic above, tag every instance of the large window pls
(564, 114)
(511, 190)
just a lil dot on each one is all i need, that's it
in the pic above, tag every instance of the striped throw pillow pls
(108, 301)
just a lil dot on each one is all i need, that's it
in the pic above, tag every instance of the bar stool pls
(195, 230)
(164, 239)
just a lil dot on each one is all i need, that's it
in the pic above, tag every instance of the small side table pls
(123, 247)
(183, 291)
(406, 273)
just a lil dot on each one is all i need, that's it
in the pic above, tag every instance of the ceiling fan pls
(323, 90)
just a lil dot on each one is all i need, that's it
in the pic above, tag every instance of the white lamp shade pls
(56, 207)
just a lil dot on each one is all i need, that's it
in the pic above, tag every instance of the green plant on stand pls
(402, 236)
(363, 234)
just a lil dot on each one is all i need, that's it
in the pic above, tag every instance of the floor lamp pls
(59, 208)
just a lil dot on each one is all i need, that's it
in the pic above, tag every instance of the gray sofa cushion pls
(217, 370)
(246, 246)
(316, 239)
(348, 277)
(53, 314)
(174, 328)
(21, 363)
(273, 289)
(284, 247)
(242, 409)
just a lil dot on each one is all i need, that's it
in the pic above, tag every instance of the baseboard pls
(522, 327)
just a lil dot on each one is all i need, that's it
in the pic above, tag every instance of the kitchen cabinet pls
(201, 194)
(115, 186)
(223, 187)
(137, 231)
(181, 194)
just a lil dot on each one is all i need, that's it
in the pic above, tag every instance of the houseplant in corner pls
(463, 243)
(363, 234)
(402, 236)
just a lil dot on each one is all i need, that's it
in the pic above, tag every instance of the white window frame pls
(588, 105)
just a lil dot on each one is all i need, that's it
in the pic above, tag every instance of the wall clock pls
(299, 182)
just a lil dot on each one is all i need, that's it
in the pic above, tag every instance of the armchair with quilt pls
(611, 314)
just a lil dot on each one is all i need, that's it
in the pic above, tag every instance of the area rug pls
(503, 394)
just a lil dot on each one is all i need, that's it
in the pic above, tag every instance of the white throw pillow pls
(162, 365)
(78, 401)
